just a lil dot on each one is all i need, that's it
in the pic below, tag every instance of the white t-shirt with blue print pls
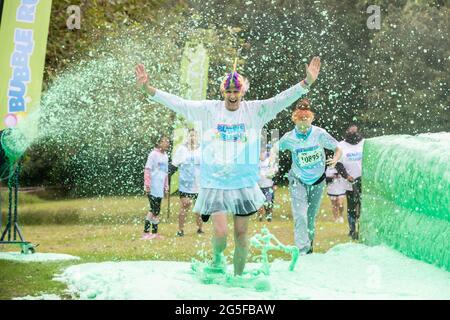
(307, 152)
(352, 155)
(158, 164)
(230, 140)
(188, 163)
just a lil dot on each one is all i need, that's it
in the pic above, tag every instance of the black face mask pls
(353, 138)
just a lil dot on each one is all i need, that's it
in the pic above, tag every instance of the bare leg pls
(269, 213)
(185, 204)
(260, 214)
(335, 209)
(219, 241)
(199, 222)
(241, 244)
(340, 202)
(152, 217)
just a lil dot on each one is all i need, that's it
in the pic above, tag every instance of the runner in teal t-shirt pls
(307, 175)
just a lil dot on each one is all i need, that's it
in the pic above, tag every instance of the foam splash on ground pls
(41, 297)
(36, 257)
(347, 271)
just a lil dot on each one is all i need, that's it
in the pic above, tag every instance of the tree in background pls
(393, 80)
(407, 80)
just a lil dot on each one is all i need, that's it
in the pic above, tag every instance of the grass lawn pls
(109, 229)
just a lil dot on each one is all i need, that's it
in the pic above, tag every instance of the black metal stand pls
(12, 229)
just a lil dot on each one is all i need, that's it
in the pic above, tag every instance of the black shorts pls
(155, 204)
(246, 214)
(205, 217)
(192, 196)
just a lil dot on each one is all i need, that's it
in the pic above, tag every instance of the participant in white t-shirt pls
(155, 185)
(352, 161)
(230, 141)
(187, 159)
(336, 188)
(350, 167)
(267, 171)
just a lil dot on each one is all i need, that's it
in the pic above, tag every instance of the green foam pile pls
(406, 195)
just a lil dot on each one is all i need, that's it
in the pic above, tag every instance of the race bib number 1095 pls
(309, 158)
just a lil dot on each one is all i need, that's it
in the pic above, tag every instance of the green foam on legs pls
(257, 279)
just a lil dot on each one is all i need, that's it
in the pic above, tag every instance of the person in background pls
(336, 188)
(155, 186)
(187, 158)
(267, 171)
(350, 168)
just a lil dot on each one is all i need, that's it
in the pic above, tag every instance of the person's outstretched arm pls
(142, 79)
(269, 108)
(191, 110)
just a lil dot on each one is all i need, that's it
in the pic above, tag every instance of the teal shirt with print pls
(308, 152)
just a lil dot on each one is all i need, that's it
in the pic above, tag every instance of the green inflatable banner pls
(194, 82)
(23, 34)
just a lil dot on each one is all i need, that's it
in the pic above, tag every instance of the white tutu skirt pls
(243, 201)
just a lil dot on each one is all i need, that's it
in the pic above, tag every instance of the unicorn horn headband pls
(234, 65)
(233, 79)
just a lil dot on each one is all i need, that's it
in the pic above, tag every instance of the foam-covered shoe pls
(218, 266)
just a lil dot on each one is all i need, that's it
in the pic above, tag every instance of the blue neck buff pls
(302, 135)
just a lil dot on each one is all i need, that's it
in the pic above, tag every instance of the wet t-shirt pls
(352, 155)
(158, 164)
(230, 140)
(307, 152)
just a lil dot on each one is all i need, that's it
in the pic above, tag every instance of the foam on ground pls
(347, 271)
(41, 297)
(36, 257)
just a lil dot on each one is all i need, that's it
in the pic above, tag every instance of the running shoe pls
(180, 233)
(148, 236)
(200, 231)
